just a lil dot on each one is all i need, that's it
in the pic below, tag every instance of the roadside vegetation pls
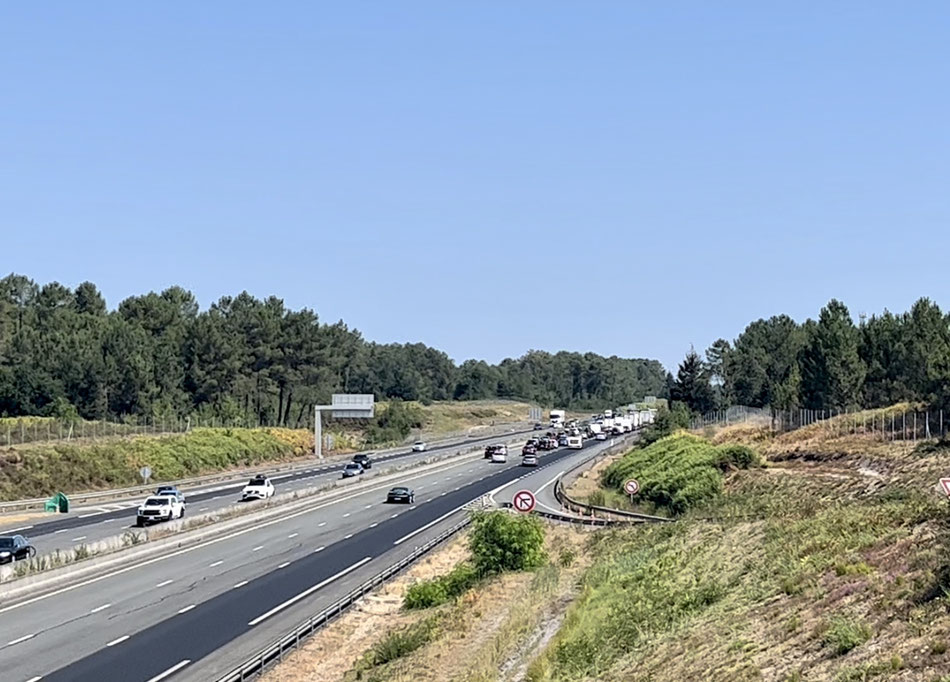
(829, 563)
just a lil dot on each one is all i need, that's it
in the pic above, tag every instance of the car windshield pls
(258, 481)
(156, 502)
(6, 543)
(352, 465)
(399, 490)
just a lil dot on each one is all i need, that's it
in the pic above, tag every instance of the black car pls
(15, 548)
(171, 490)
(363, 460)
(401, 494)
(537, 426)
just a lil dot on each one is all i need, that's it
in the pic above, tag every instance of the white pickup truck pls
(159, 508)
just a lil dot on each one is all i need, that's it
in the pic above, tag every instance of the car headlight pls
(4, 554)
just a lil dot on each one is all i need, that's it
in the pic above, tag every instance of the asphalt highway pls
(88, 526)
(196, 612)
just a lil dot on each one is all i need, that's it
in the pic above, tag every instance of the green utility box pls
(57, 503)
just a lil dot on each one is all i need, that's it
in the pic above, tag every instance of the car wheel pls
(139, 523)
(412, 499)
(182, 515)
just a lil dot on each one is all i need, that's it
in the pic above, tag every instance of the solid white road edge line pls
(308, 591)
(213, 541)
(171, 671)
(21, 639)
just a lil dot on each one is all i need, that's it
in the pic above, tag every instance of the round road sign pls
(523, 501)
(631, 487)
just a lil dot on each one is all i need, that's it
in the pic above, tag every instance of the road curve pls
(194, 613)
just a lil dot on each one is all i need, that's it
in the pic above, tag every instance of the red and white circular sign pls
(631, 487)
(523, 501)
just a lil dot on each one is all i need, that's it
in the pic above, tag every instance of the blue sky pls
(626, 178)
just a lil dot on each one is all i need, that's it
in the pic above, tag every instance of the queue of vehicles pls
(168, 502)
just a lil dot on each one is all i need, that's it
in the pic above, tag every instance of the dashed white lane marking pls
(86, 516)
(16, 530)
(428, 525)
(319, 549)
(321, 525)
(81, 537)
(394, 515)
(21, 639)
(308, 591)
(216, 563)
(346, 514)
(187, 608)
(165, 582)
(118, 641)
(347, 537)
(413, 507)
(203, 509)
(292, 536)
(284, 565)
(443, 494)
(62, 530)
(240, 584)
(100, 608)
(258, 548)
(171, 671)
(369, 506)
(35, 679)
(373, 525)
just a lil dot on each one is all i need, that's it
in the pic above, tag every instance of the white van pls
(575, 442)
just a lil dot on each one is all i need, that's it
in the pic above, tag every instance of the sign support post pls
(343, 406)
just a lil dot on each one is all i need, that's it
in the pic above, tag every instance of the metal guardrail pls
(229, 476)
(579, 507)
(274, 652)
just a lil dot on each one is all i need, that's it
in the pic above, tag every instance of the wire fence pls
(885, 424)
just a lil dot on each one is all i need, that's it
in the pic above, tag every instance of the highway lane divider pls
(235, 476)
(125, 557)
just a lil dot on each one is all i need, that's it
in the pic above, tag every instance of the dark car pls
(537, 426)
(491, 450)
(529, 449)
(15, 548)
(363, 460)
(171, 490)
(401, 494)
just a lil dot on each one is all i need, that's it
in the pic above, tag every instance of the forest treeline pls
(250, 361)
(826, 364)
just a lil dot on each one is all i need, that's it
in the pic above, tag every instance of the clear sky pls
(623, 177)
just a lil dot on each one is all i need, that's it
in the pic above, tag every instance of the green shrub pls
(425, 594)
(844, 634)
(504, 542)
(680, 471)
(429, 593)
(401, 643)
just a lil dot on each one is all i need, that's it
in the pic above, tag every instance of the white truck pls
(557, 418)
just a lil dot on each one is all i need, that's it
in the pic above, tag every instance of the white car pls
(258, 488)
(502, 448)
(159, 508)
(499, 456)
(419, 446)
(601, 435)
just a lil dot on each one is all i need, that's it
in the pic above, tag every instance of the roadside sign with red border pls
(523, 501)
(631, 487)
(945, 484)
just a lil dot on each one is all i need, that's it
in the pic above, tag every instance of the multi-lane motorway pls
(195, 612)
(87, 526)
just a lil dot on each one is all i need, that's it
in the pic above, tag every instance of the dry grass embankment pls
(488, 633)
(830, 564)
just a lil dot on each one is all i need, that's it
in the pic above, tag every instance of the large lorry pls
(557, 418)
